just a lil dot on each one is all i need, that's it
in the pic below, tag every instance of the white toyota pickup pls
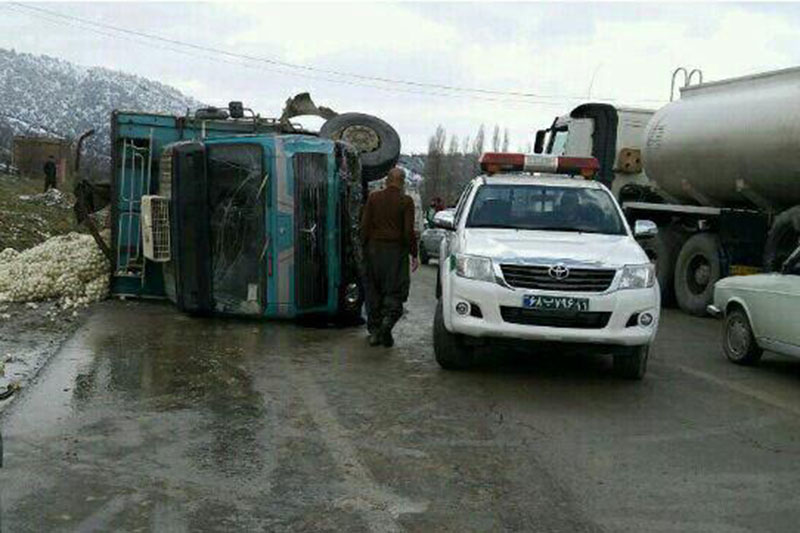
(543, 257)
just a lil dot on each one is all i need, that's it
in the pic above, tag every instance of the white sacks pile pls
(69, 268)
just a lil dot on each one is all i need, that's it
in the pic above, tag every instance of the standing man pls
(50, 174)
(387, 231)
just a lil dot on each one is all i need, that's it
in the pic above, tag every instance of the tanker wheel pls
(782, 239)
(663, 250)
(696, 270)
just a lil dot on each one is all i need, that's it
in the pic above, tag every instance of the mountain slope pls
(41, 95)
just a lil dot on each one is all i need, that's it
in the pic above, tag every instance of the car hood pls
(755, 281)
(549, 247)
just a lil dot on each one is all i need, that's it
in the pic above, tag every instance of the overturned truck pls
(225, 212)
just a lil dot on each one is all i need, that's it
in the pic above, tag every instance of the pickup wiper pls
(494, 226)
(555, 228)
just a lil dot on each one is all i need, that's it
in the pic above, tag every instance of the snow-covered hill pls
(41, 95)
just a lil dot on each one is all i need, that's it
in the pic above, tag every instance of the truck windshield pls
(537, 207)
(235, 178)
(558, 141)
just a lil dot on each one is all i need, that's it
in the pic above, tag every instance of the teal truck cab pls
(223, 214)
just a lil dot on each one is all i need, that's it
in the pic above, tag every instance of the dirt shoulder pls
(31, 332)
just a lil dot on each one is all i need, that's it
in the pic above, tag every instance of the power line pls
(278, 63)
(268, 69)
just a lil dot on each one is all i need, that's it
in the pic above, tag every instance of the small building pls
(29, 155)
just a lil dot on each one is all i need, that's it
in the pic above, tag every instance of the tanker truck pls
(720, 176)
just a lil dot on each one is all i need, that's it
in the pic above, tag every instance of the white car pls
(429, 243)
(544, 258)
(760, 313)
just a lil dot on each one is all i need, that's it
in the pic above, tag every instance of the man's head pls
(396, 178)
(51, 158)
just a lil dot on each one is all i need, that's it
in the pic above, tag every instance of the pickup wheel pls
(451, 354)
(696, 270)
(738, 342)
(424, 258)
(631, 362)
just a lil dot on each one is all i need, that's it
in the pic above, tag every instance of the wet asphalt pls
(148, 420)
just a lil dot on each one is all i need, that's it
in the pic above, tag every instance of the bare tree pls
(505, 140)
(452, 148)
(496, 139)
(465, 146)
(477, 147)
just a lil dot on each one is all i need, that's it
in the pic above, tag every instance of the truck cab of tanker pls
(237, 216)
(612, 135)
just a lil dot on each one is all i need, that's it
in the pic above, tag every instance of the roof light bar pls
(494, 162)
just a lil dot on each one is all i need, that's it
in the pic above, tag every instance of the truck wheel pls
(376, 141)
(782, 239)
(424, 258)
(663, 250)
(738, 342)
(696, 271)
(451, 354)
(631, 362)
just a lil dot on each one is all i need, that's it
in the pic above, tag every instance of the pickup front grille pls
(538, 277)
(554, 319)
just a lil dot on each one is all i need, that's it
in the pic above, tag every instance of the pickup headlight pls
(638, 276)
(474, 267)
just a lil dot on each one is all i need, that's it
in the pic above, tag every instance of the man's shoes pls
(375, 339)
(387, 339)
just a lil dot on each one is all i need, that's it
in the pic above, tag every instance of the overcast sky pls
(564, 52)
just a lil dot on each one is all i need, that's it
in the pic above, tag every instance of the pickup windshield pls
(546, 208)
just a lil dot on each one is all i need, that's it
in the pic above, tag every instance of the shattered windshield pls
(536, 207)
(235, 179)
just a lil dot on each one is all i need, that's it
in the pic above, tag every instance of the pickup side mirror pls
(538, 146)
(645, 228)
(445, 219)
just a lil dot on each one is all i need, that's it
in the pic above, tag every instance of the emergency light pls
(494, 162)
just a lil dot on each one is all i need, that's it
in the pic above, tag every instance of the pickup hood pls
(549, 247)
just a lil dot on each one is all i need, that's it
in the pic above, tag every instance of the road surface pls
(148, 420)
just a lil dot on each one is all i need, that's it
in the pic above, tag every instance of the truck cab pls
(235, 216)
(612, 135)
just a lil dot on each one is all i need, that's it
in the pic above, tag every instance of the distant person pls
(50, 174)
(436, 205)
(387, 231)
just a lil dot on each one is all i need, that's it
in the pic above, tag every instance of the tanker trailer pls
(725, 159)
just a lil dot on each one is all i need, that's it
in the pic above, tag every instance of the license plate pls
(555, 303)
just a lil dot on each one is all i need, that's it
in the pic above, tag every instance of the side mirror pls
(538, 146)
(645, 228)
(445, 220)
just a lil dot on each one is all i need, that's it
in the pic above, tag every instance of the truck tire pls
(663, 250)
(738, 342)
(450, 352)
(631, 362)
(782, 239)
(376, 141)
(696, 270)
